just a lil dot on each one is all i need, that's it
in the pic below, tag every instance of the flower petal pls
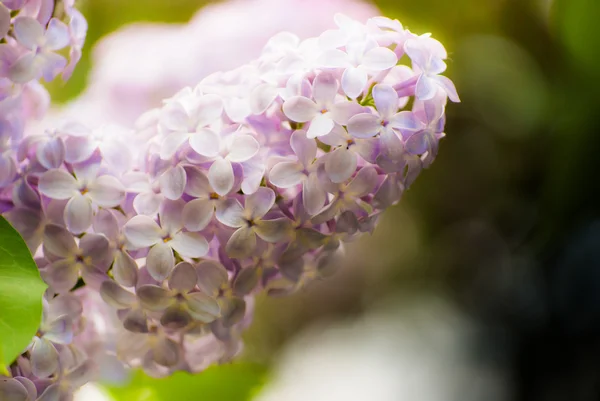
(426, 88)
(28, 31)
(44, 358)
(175, 317)
(58, 184)
(202, 307)
(259, 203)
(183, 278)
(52, 154)
(354, 81)
(405, 120)
(386, 100)
(212, 277)
(241, 244)
(305, 148)
(189, 245)
(153, 297)
(210, 108)
(300, 109)
(197, 184)
(320, 125)
(379, 59)
(116, 296)
(57, 35)
(160, 261)
(125, 269)
(221, 177)
(58, 241)
(325, 87)
(78, 214)
(340, 165)
(364, 125)
(313, 195)
(273, 230)
(142, 231)
(363, 183)
(286, 174)
(171, 144)
(13, 390)
(243, 147)
(231, 213)
(96, 247)
(172, 182)
(147, 203)
(106, 191)
(197, 214)
(61, 275)
(205, 142)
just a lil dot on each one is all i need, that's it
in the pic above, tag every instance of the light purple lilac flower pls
(255, 179)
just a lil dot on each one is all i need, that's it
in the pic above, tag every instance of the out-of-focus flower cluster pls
(252, 180)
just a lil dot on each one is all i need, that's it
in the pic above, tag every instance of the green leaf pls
(21, 290)
(232, 382)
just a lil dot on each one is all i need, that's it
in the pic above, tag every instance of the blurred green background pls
(505, 223)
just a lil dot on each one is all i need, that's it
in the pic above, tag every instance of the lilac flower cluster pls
(253, 180)
(33, 33)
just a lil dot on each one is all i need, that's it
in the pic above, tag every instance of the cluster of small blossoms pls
(253, 180)
(33, 33)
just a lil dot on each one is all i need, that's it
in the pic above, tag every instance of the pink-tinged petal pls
(96, 246)
(171, 144)
(237, 109)
(203, 307)
(57, 35)
(247, 280)
(61, 275)
(449, 87)
(174, 117)
(417, 144)
(367, 148)
(241, 244)
(25, 69)
(287, 174)
(29, 32)
(170, 216)
(391, 145)
(4, 20)
(386, 100)
(363, 183)
(197, 184)
(52, 393)
(221, 177)
(320, 125)
(51, 64)
(8, 170)
(212, 277)
(197, 214)
(405, 120)
(116, 296)
(210, 108)
(364, 125)
(341, 112)
(300, 109)
(334, 58)
(160, 261)
(354, 82)
(436, 66)
(58, 184)
(116, 154)
(44, 358)
(147, 203)
(153, 297)
(379, 59)
(231, 213)
(51, 154)
(105, 222)
(259, 203)
(243, 147)
(262, 97)
(332, 39)
(125, 269)
(28, 384)
(340, 165)
(273, 230)
(142, 231)
(426, 88)
(305, 148)
(183, 278)
(13, 390)
(313, 195)
(325, 87)
(78, 214)
(172, 182)
(205, 142)
(58, 241)
(189, 245)
(417, 53)
(106, 191)
(79, 148)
